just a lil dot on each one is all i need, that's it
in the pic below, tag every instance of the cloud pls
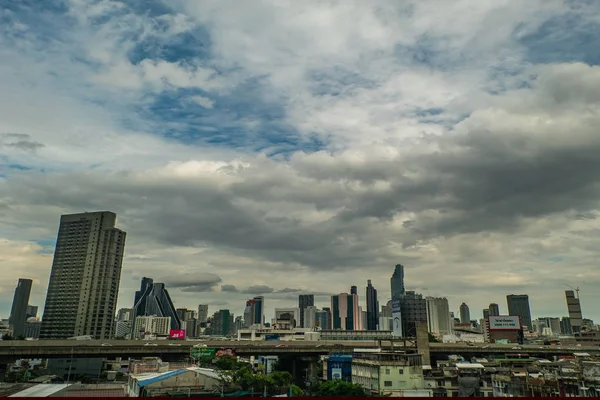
(204, 282)
(449, 137)
(229, 288)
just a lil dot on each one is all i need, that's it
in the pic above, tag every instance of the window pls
(387, 371)
(387, 383)
(401, 371)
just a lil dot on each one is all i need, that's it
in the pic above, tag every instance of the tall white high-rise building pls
(202, 313)
(310, 317)
(438, 315)
(84, 281)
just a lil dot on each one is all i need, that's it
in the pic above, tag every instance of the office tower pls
(18, 312)
(494, 309)
(327, 319)
(249, 314)
(259, 310)
(85, 276)
(305, 300)
(222, 323)
(397, 282)
(574, 307)
(153, 300)
(565, 326)
(413, 309)
(465, 315)
(32, 329)
(181, 313)
(345, 312)
(372, 308)
(353, 290)
(438, 315)
(202, 314)
(323, 318)
(31, 312)
(310, 317)
(486, 314)
(518, 305)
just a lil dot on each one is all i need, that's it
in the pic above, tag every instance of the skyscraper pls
(345, 312)
(310, 317)
(494, 309)
(353, 290)
(518, 305)
(465, 315)
(249, 313)
(153, 299)
(413, 309)
(397, 282)
(259, 310)
(323, 318)
(372, 308)
(18, 312)
(84, 281)
(31, 312)
(438, 315)
(202, 314)
(486, 314)
(574, 308)
(305, 300)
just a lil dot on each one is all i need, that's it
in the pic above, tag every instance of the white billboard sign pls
(505, 322)
(396, 319)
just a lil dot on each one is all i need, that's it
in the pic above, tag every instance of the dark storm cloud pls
(19, 141)
(258, 289)
(202, 282)
(229, 288)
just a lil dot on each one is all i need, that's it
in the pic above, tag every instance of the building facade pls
(85, 276)
(345, 312)
(438, 315)
(574, 307)
(18, 311)
(153, 299)
(202, 314)
(494, 310)
(518, 305)
(388, 374)
(310, 317)
(397, 282)
(465, 315)
(222, 323)
(413, 309)
(372, 308)
(259, 310)
(305, 300)
(151, 325)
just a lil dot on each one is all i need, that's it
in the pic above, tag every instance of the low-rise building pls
(388, 373)
(181, 381)
(151, 325)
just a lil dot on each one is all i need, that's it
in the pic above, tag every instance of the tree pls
(296, 391)
(339, 388)
(227, 363)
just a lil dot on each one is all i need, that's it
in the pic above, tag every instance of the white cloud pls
(204, 101)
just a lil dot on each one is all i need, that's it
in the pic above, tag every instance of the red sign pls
(177, 334)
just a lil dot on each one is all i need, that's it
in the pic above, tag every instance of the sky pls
(281, 147)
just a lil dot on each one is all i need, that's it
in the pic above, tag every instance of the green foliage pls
(227, 363)
(338, 388)
(296, 391)
(432, 338)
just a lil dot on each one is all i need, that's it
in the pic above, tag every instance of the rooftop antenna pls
(576, 290)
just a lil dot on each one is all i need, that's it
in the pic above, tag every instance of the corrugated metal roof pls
(42, 390)
(161, 377)
(211, 373)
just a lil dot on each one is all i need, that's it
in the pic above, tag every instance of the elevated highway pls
(15, 349)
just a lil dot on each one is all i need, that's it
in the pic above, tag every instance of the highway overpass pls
(167, 349)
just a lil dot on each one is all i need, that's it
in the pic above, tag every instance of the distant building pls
(125, 314)
(259, 310)
(153, 300)
(565, 326)
(290, 314)
(574, 307)
(494, 309)
(310, 317)
(123, 329)
(84, 281)
(18, 312)
(397, 282)
(31, 312)
(202, 314)
(486, 313)
(413, 309)
(32, 328)
(388, 374)
(372, 307)
(518, 305)
(465, 315)
(354, 290)
(75, 368)
(305, 300)
(438, 315)
(151, 325)
(323, 318)
(345, 312)
(249, 313)
(222, 323)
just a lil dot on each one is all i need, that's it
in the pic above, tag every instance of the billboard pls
(336, 374)
(202, 353)
(177, 334)
(505, 322)
(225, 352)
(396, 319)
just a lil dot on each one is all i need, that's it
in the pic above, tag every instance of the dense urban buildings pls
(18, 313)
(84, 280)
(153, 300)
(574, 308)
(397, 282)
(372, 308)
(518, 305)
(305, 300)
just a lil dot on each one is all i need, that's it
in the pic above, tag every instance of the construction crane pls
(576, 290)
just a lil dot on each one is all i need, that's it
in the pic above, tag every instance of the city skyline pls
(315, 154)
